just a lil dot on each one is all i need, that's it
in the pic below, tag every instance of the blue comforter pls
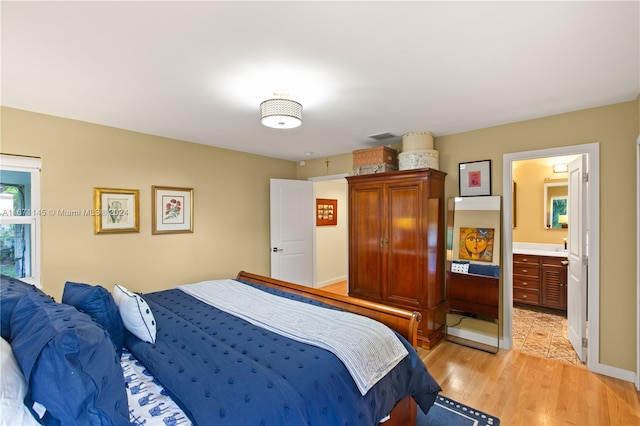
(223, 370)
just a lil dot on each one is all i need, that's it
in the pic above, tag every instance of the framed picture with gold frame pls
(172, 210)
(116, 210)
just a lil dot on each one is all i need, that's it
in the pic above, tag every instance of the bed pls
(217, 367)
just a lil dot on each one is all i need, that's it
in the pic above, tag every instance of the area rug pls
(447, 412)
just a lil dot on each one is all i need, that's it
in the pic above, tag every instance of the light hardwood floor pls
(525, 389)
(528, 390)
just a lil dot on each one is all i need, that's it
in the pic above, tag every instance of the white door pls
(292, 231)
(577, 256)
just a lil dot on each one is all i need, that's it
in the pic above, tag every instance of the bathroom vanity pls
(540, 277)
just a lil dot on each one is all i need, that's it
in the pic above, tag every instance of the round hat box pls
(417, 141)
(427, 158)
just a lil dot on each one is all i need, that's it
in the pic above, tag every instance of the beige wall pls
(231, 198)
(331, 241)
(231, 204)
(616, 128)
(530, 178)
(338, 164)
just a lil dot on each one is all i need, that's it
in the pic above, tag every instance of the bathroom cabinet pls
(553, 283)
(540, 280)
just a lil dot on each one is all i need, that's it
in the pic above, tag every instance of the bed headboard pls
(403, 321)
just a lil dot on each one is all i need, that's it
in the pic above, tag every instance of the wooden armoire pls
(396, 244)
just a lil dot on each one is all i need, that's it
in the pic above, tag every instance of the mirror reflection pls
(474, 230)
(555, 198)
(473, 272)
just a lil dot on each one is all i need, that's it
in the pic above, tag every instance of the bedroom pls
(231, 226)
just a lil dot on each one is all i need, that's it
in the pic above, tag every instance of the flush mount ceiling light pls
(560, 168)
(281, 113)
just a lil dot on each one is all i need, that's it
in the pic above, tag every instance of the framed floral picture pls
(172, 210)
(115, 211)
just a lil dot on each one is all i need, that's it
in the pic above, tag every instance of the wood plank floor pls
(524, 389)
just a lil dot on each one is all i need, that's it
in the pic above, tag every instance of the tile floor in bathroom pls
(542, 332)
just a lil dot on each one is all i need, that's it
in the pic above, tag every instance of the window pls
(20, 215)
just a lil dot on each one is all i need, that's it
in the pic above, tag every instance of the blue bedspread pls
(223, 370)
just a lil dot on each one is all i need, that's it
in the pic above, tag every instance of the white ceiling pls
(197, 71)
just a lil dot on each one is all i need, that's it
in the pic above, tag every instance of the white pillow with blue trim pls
(136, 314)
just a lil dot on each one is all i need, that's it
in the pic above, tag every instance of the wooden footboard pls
(403, 321)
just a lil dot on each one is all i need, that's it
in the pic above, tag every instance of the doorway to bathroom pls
(540, 233)
(514, 220)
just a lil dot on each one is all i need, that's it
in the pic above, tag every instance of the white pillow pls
(136, 314)
(13, 388)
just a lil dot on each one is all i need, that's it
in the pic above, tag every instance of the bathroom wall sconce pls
(560, 168)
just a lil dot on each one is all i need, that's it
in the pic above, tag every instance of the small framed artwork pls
(475, 178)
(115, 210)
(172, 210)
(326, 212)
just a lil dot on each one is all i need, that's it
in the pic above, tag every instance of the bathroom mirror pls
(555, 199)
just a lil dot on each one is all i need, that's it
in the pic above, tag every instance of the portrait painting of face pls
(476, 244)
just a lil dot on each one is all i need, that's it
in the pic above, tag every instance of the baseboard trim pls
(332, 281)
(615, 372)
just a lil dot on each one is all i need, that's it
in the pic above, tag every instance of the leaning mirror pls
(473, 271)
(555, 198)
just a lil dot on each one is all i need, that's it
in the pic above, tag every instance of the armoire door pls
(366, 241)
(404, 271)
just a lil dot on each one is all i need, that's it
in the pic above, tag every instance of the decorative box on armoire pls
(396, 244)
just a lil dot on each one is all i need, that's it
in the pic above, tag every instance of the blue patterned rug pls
(447, 412)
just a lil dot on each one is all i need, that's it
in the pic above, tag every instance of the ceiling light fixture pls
(281, 113)
(560, 168)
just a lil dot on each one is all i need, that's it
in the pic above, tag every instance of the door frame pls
(637, 380)
(593, 273)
